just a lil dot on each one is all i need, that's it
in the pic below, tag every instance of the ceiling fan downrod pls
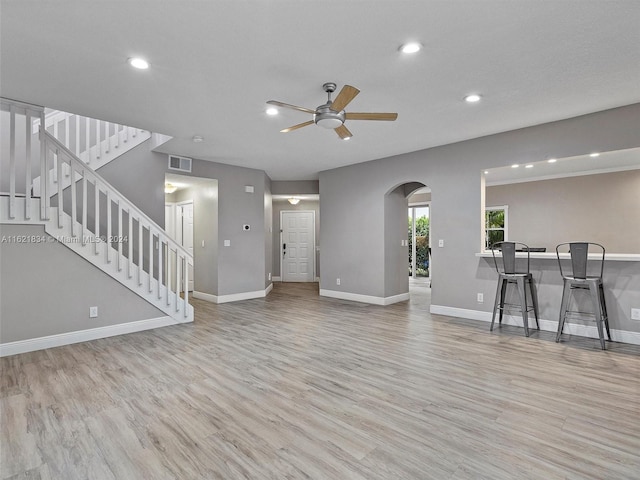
(329, 87)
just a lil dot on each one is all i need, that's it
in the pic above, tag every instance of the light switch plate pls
(227, 243)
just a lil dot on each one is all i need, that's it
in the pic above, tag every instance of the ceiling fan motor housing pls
(327, 118)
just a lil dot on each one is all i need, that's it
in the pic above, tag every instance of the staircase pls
(46, 183)
(93, 141)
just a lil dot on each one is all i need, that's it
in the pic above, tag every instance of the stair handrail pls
(47, 137)
(168, 261)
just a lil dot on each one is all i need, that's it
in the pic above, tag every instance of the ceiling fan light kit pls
(331, 115)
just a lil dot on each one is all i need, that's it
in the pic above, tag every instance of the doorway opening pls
(191, 220)
(419, 238)
(304, 202)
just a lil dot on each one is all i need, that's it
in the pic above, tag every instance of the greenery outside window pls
(419, 230)
(496, 222)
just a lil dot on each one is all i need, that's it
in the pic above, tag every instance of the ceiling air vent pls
(179, 163)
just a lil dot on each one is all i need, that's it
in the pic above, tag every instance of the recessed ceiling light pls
(472, 98)
(411, 47)
(515, 165)
(139, 63)
(197, 139)
(594, 154)
(272, 111)
(552, 160)
(528, 166)
(486, 172)
(347, 138)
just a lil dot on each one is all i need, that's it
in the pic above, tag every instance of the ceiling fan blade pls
(370, 116)
(343, 132)
(286, 105)
(295, 127)
(345, 96)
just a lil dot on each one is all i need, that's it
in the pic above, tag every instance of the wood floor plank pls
(297, 386)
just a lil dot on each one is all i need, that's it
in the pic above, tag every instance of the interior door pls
(185, 233)
(298, 246)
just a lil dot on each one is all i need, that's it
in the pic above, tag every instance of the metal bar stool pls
(508, 274)
(579, 278)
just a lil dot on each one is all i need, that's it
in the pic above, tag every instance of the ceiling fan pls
(332, 114)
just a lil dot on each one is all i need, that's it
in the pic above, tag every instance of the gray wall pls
(299, 187)
(396, 255)
(47, 289)
(602, 208)
(241, 266)
(139, 175)
(280, 205)
(352, 201)
(420, 198)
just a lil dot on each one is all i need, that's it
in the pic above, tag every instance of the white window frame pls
(494, 208)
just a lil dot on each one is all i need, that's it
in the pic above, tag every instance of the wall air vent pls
(179, 163)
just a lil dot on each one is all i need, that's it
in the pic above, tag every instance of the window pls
(495, 225)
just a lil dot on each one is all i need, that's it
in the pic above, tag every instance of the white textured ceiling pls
(214, 64)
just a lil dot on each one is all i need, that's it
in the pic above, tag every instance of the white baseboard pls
(207, 297)
(233, 297)
(580, 330)
(61, 339)
(356, 297)
(279, 279)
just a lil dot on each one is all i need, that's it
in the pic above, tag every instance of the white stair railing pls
(93, 141)
(87, 214)
(19, 168)
(101, 218)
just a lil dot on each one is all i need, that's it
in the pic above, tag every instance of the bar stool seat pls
(578, 278)
(508, 274)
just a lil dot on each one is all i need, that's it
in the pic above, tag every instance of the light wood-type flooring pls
(296, 386)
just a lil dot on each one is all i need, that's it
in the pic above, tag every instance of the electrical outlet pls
(480, 298)
(441, 243)
(337, 281)
(269, 276)
(635, 314)
(93, 312)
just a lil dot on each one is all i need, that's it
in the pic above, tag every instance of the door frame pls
(413, 207)
(178, 225)
(313, 236)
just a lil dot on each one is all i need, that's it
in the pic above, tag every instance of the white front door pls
(185, 233)
(298, 246)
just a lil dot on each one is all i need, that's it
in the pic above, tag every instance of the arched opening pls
(407, 244)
